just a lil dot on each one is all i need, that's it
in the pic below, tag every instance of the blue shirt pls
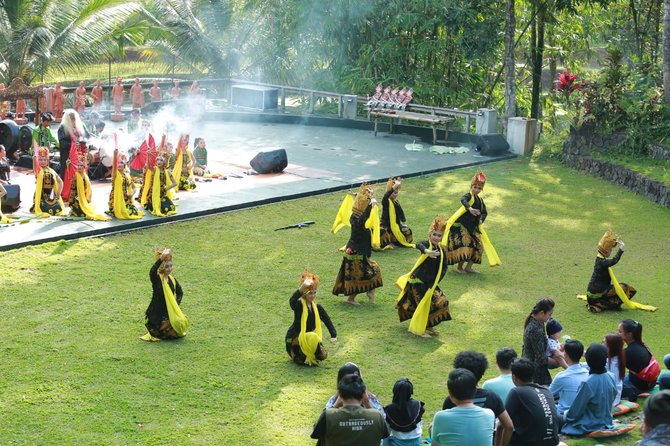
(592, 408)
(459, 426)
(500, 385)
(566, 384)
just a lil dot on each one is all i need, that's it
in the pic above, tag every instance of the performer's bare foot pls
(459, 268)
(351, 300)
(371, 296)
(432, 330)
(472, 271)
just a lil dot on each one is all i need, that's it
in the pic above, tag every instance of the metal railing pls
(283, 91)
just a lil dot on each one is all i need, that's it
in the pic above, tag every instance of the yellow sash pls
(420, 317)
(372, 223)
(119, 207)
(178, 320)
(145, 187)
(4, 219)
(309, 340)
(38, 193)
(176, 169)
(624, 298)
(156, 193)
(395, 229)
(343, 214)
(490, 251)
(83, 191)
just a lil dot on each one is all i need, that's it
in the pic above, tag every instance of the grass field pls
(75, 373)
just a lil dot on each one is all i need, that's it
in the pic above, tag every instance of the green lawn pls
(75, 373)
(655, 169)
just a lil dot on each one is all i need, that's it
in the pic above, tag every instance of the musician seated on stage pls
(5, 168)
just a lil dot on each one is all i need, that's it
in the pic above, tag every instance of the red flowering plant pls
(565, 85)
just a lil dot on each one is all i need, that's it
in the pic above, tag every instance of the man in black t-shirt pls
(476, 362)
(350, 424)
(532, 409)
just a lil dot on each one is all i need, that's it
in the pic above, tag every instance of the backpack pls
(650, 373)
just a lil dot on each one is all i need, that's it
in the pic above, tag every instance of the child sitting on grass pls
(554, 331)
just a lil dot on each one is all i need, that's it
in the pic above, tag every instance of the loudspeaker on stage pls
(269, 162)
(493, 144)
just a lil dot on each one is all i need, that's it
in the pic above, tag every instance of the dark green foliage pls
(629, 100)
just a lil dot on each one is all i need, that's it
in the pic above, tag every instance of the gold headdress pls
(362, 199)
(607, 242)
(391, 182)
(165, 255)
(439, 224)
(43, 152)
(312, 278)
(163, 153)
(479, 179)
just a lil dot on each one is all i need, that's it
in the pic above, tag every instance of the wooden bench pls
(433, 120)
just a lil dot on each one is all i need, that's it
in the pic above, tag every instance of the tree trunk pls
(666, 50)
(537, 56)
(510, 87)
(636, 26)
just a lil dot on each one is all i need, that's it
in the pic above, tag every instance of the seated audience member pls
(664, 377)
(566, 383)
(640, 378)
(350, 424)
(656, 422)
(403, 416)
(616, 361)
(5, 168)
(554, 356)
(369, 399)
(503, 383)
(476, 362)
(532, 409)
(591, 409)
(465, 423)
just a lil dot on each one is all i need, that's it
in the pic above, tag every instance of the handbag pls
(650, 373)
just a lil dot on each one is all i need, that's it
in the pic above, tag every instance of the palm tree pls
(62, 34)
(199, 33)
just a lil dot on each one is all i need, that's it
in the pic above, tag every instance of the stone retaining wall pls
(573, 156)
(658, 152)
